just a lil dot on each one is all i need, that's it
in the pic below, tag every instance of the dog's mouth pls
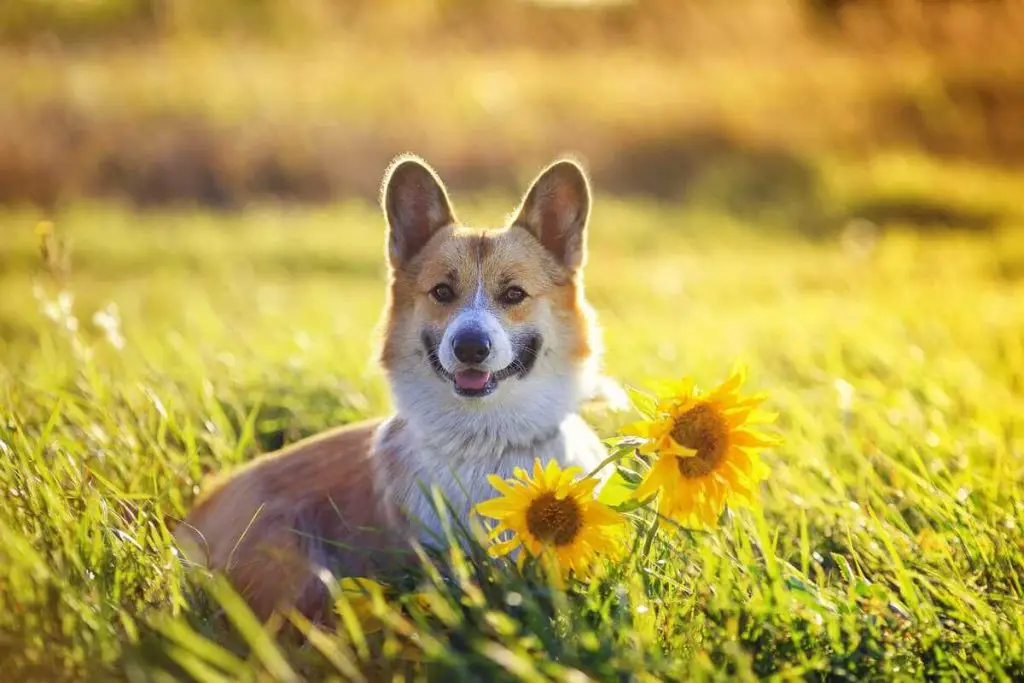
(475, 382)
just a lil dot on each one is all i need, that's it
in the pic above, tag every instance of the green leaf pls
(616, 490)
(645, 404)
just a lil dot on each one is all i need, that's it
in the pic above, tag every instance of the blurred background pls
(748, 157)
(224, 102)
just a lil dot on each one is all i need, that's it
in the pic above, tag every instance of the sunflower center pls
(702, 428)
(554, 520)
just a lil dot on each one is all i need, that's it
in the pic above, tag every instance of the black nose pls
(471, 346)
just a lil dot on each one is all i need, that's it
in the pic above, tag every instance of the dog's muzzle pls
(475, 382)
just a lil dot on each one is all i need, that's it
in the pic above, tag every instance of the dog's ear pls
(416, 206)
(556, 210)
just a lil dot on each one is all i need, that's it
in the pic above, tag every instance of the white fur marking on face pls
(477, 315)
(480, 296)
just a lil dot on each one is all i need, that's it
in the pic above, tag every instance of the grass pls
(888, 546)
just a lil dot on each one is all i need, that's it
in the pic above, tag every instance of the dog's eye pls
(512, 296)
(442, 293)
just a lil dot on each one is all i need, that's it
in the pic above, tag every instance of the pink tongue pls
(474, 380)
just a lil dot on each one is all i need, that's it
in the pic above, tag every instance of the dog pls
(489, 348)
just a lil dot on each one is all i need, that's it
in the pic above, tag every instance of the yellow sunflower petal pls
(743, 493)
(602, 516)
(649, 448)
(758, 416)
(538, 471)
(496, 507)
(736, 416)
(648, 487)
(497, 531)
(500, 484)
(564, 483)
(752, 400)
(737, 377)
(502, 549)
(656, 478)
(671, 508)
(740, 459)
(758, 470)
(675, 448)
(681, 497)
(707, 516)
(642, 429)
(552, 474)
(745, 439)
(585, 487)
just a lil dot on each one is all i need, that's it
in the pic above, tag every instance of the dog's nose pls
(471, 346)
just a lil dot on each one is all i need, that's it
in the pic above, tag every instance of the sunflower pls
(553, 515)
(706, 452)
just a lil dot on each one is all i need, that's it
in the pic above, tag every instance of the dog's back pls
(272, 525)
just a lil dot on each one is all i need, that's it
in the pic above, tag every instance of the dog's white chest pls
(459, 469)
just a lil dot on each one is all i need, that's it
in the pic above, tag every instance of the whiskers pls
(525, 359)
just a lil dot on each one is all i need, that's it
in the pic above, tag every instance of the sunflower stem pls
(618, 454)
(650, 536)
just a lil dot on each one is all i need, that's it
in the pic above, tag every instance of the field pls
(192, 268)
(154, 348)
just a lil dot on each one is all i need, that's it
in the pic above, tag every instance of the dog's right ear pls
(416, 206)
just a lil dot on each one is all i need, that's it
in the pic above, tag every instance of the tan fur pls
(343, 501)
(259, 524)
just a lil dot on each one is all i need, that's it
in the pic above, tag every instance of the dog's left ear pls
(556, 210)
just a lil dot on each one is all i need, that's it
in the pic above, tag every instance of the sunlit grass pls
(889, 544)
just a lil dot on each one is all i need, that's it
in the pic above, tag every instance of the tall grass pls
(177, 344)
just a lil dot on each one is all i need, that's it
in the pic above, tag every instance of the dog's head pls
(487, 320)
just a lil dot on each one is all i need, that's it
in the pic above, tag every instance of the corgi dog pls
(489, 349)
